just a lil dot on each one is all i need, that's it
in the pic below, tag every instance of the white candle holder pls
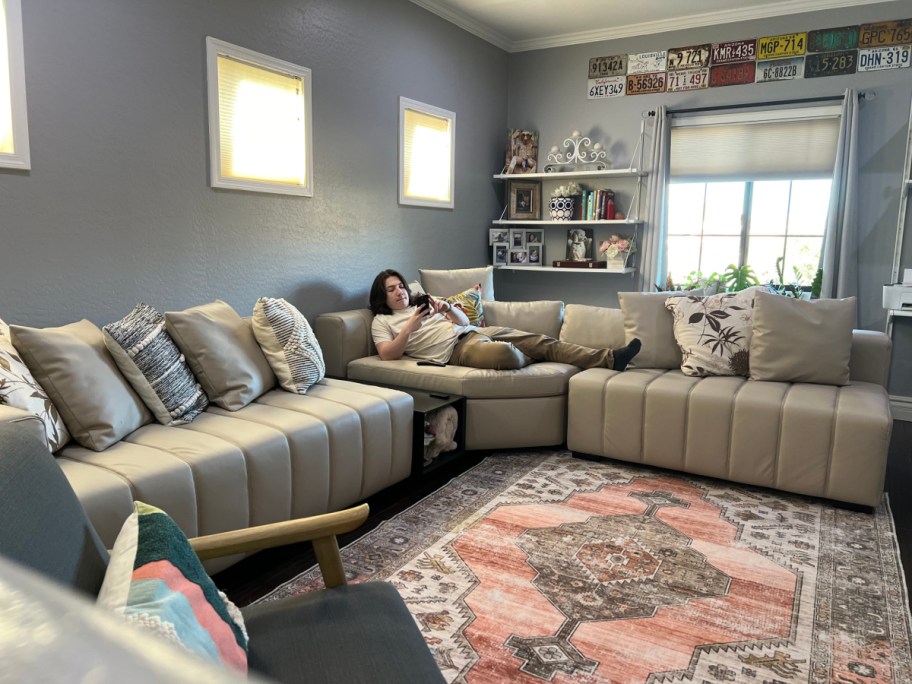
(579, 156)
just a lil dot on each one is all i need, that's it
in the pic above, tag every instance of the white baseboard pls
(901, 407)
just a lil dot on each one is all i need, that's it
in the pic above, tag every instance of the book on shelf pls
(596, 205)
(589, 263)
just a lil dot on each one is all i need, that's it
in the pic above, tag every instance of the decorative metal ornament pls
(579, 156)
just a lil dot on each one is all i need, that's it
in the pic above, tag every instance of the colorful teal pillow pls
(470, 303)
(155, 581)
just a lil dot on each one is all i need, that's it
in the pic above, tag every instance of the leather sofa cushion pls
(798, 341)
(72, 363)
(543, 317)
(595, 327)
(445, 283)
(536, 380)
(646, 317)
(222, 352)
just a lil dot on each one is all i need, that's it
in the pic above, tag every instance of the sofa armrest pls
(319, 529)
(344, 336)
(870, 359)
(10, 414)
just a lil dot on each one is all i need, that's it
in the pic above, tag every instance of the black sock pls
(623, 355)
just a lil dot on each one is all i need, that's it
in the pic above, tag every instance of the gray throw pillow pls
(154, 366)
(289, 343)
(646, 318)
(71, 362)
(798, 341)
(222, 353)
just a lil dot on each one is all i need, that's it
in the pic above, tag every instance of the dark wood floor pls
(256, 576)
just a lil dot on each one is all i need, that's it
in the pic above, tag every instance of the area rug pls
(537, 566)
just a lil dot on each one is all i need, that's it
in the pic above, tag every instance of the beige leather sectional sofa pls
(805, 438)
(282, 456)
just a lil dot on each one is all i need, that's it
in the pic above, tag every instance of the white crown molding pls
(464, 21)
(761, 11)
(901, 407)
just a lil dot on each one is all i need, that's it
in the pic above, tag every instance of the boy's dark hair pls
(378, 292)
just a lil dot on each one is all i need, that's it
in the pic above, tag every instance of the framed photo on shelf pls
(536, 252)
(580, 244)
(499, 253)
(517, 238)
(496, 235)
(524, 201)
(535, 237)
(519, 257)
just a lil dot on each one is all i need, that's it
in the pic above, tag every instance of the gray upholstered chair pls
(357, 633)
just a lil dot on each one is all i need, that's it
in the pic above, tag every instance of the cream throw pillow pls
(71, 362)
(646, 318)
(714, 333)
(289, 343)
(222, 353)
(798, 341)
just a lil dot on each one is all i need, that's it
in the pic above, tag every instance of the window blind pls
(760, 145)
(262, 128)
(427, 156)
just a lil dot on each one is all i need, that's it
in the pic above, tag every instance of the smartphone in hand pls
(423, 300)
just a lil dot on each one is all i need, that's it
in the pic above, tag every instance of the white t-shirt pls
(433, 341)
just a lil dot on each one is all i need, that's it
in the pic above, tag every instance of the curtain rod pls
(830, 98)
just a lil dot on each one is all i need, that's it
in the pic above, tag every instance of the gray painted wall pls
(117, 207)
(547, 93)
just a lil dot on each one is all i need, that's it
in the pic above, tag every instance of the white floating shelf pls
(606, 173)
(551, 269)
(570, 224)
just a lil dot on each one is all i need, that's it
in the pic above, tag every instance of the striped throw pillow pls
(155, 581)
(471, 304)
(289, 344)
(154, 366)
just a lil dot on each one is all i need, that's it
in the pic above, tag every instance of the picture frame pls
(524, 203)
(580, 244)
(536, 253)
(496, 235)
(500, 252)
(519, 257)
(522, 151)
(517, 238)
(534, 236)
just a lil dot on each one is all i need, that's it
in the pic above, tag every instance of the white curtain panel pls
(654, 257)
(839, 259)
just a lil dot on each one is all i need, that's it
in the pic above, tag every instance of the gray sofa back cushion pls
(440, 283)
(596, 327)
(543, 317)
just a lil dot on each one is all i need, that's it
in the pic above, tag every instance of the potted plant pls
(616, 250)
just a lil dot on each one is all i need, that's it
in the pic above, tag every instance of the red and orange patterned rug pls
(537, 566)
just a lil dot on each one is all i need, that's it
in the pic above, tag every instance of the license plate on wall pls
(601, 67)
(780, 70)
(830, 64)
(734, 51)
(732, 74)
(878, 58)
(688, 79)
(601, 88)
(692, 57)
(642, 84)
(786, 45)
(885, 33)
(647, 62)
(828, 40)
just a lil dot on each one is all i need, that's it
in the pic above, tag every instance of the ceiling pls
(518, 25)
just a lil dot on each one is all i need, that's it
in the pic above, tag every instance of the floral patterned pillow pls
(714, 333)
(19, 389)
(470, 303)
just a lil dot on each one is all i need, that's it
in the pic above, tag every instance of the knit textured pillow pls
(18, 388)
(153, 365)
(155, 581)
(471, 304)
(289, 344)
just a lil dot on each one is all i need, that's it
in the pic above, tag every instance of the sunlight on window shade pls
(261, 124)
(6, 96)
(427, 156)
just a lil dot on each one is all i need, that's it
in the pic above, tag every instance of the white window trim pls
(21, 157)
(406, 103)
(214, 48)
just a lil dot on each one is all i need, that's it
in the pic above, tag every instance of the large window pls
(751, 189)
(426, 154)
(14, 144)
(259, 121)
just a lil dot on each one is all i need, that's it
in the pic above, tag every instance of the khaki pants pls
(499, 348)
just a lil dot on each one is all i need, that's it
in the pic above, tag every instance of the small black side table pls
(425, 403)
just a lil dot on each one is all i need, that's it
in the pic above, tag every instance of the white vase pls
(561, 208)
